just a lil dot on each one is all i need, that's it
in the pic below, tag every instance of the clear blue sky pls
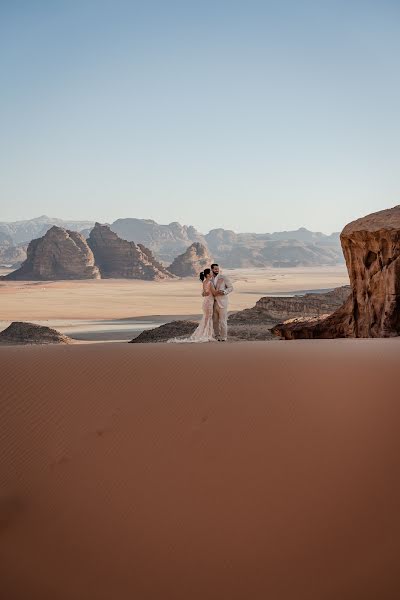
(251, 115)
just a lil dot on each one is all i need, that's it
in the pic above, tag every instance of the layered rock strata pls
(59, 254)
(371, 247)
(119, 258)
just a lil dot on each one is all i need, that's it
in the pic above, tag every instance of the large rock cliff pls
(59, 254)
(119, 258)
(371, 247)
(194, 260)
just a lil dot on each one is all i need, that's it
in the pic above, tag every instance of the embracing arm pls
(208, 290)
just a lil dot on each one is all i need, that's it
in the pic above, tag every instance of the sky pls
(252, 115)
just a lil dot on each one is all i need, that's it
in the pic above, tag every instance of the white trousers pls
(220, 320)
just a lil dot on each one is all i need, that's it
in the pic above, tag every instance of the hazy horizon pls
(68, 219)
(255, 117)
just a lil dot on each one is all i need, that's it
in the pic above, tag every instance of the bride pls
(205, 329)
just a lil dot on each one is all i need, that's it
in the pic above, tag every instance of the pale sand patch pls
(121, 298)
(212, 472)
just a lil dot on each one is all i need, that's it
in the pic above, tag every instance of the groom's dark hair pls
(214, 265)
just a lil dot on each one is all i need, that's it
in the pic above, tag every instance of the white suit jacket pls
(223, 283)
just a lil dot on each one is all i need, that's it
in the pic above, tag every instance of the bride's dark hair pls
(204, 274)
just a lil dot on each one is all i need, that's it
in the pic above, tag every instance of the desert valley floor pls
(116, 309)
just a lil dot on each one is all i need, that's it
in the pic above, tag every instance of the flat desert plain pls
(64, 304)
(245, 471)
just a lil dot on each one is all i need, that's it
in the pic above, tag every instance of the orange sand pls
(255, 471)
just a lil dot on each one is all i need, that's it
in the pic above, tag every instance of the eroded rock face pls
(59, 254)
(371, 247)
(21, 332)
(194, 260)
(119, 258)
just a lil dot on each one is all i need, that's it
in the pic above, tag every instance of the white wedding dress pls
(205, 329)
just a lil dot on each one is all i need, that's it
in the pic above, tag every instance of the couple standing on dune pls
(214, 324)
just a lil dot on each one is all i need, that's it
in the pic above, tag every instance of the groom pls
(224, 287)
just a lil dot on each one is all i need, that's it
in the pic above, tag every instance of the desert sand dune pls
(239, 472)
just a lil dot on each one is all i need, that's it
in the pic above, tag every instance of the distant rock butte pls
(59, 254)
(119, 258)
(371, 247)
(21, 332)
(232, 250)
(194, 260)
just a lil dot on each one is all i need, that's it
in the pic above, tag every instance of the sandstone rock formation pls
(20, 332)
(371, 247)
(194, 260)
(119, 258)
(279, 249)
(59, 254)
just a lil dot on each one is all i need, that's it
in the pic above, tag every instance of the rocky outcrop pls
(309, 304)
(59, 254)
(273, 309)
(119, 258)
(165, 332)
(194, 260)
(371, 247)
(20, 332)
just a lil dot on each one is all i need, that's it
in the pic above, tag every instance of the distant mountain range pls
(233, 250)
